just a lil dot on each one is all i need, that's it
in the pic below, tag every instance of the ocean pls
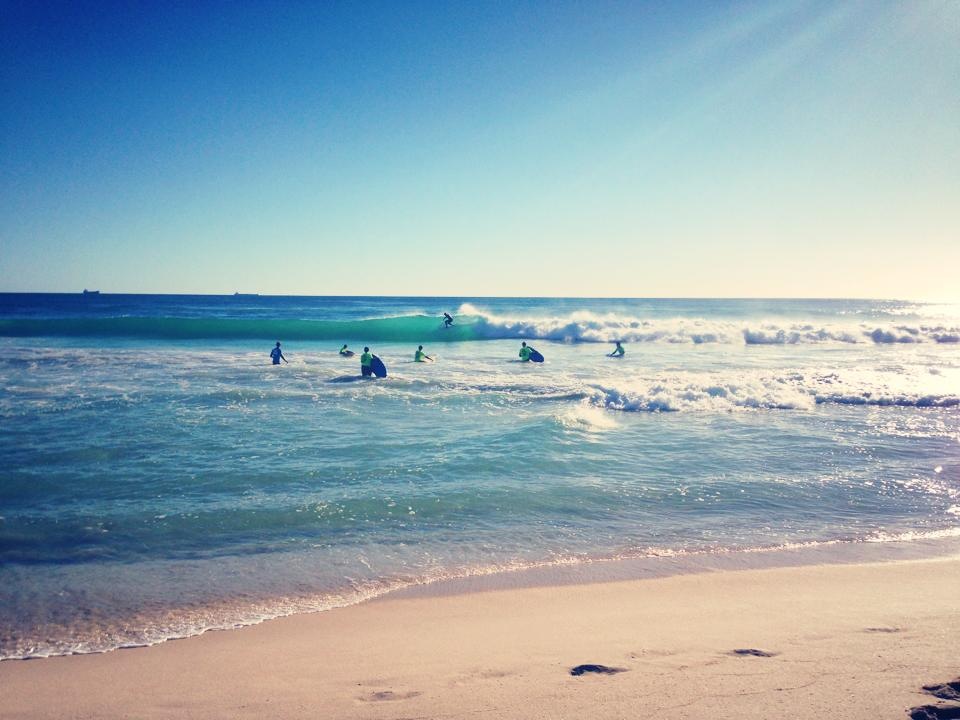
(159, 477)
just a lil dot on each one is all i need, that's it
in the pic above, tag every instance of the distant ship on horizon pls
(90, 292)
(240, 294)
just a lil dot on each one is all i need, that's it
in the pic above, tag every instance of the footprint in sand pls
(477, 675)
(752, 652)
(600, 669)
(388, 695)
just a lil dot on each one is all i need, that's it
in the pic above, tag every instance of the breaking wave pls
(788, 392)
(475, 324)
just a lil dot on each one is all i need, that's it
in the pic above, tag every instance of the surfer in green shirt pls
(420, 355)
(346, 353)
(524, 352)
(617, 351)
(365, 363)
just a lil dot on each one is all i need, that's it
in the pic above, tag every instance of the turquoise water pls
(160, 477)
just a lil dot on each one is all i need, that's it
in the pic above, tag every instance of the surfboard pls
(379, 369)
(535, 356)
(348, 353)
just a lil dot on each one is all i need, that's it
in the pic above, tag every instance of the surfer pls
(366, 361)
(276, 355)
(447, 320)
(618, 351)
(420, 355)
(346, 353)
(524, 352)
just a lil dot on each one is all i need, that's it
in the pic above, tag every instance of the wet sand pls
(837, 641)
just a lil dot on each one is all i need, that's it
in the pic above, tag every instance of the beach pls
(480, 360)
(752, 514)
(838, 641)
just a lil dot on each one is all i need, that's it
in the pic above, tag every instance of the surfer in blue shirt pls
(276, 355)
(447, 320)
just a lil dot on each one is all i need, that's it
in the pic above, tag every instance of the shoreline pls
(591, 571)
(578, 571)
(838, 640)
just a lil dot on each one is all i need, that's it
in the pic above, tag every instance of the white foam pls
(586, 326)
(586, 417)
(699, 392)
(689, 391)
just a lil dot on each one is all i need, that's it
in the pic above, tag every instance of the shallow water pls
(160, 477)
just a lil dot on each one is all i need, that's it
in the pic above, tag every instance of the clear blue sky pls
(515, 148)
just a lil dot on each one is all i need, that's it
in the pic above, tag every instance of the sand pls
(832, 641)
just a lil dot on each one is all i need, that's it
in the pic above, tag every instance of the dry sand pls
(844, 641)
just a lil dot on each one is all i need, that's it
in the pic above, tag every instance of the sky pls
(794, 148)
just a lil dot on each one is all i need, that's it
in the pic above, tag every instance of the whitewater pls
(159, 477)
(475, 323)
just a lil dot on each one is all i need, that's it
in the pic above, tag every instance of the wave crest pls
(473, 323)
(585, 326)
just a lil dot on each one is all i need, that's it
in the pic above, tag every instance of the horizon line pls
(469, 296)
(102, 293)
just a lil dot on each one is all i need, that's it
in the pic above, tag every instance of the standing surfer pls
(276, 355)
(447, 320)
(366, 361)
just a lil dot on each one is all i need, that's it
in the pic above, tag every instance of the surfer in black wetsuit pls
(447, 320)
(276, 355)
